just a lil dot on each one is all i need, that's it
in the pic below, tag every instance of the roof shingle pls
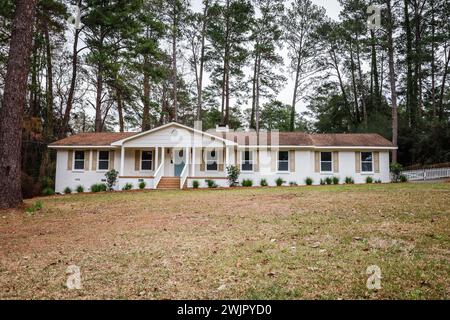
(93, 139)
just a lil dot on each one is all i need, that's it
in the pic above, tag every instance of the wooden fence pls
(427, 174)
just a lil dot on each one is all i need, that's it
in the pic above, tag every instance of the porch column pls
(156, 158)
(122, 161)
(227, 158)
(163, 158)
(193, 162)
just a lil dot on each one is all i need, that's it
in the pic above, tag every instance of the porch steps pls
(169, 183)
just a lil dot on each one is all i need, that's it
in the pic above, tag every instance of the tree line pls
(133, 65)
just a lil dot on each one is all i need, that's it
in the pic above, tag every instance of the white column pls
(156, 158)
(227, 158)
(193, 162)
(122, 161)
(163, 158)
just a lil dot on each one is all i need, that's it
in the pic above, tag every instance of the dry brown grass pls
(286, 243)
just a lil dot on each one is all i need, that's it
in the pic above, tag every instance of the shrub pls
(233, 175)
(35, 207)
(293, 184)
(309, 181)
(196, 184)
(247, 183)
(67, 190)
(80, 189)
(127, 187)
(322, 182)
(369, 180)
(111, 179)
(335, 180)
(264, 183)
(378, 181)
(396, 172)
(403, 178)
(98, 187)
(349, 180)
(142, 185)
(211, 184)
(48, 192)
(329, 180)
(280, 182)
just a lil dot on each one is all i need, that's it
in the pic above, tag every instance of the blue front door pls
(179, 162)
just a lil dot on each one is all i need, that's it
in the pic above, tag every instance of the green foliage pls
(142, 185)
(349, 180)
(211, 184)
(293, 184)
(309, 181)
(111, 179)
(37, 206)
(279, 182)
(396, 172)
(195, 184)
(329, 180)
(378, 181)
(48, 192)
(127, 187)
(263, 183)
(336, 180)
(369, 180)
(99, 187)
(403, 178)
(80, 189)
(233, 175)
(247, 183)
(67, 190)
(322, 182)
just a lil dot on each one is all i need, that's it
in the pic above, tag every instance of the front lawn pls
(280, 243)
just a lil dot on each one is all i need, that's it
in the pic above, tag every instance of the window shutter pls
(256, 161)
(137, 160)
(335, 162)
(111, 160)
(237, 158)
(274, 160)
(70, 160)
(376, 160)
(358, 162)
(94, 160)
(86, 160)
(317, 162)
(202, 161)
(292, 160)
(221, 161)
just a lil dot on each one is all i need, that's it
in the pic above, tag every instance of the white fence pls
(427, 174)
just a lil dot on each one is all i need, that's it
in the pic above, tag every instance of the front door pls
(178, 161)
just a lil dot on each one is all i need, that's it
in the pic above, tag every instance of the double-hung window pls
(247, 161)
(146, 160)
(78, 160)
(366, 161)
(283, 161)
(326, 162)
(103, 160)
(211, 160)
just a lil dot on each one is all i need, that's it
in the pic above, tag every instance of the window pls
(247, 161)
(326, 162)
(366, 161)
(211, 160)
(103, 160)
(146, 160)
(79, 160)
(283, 161)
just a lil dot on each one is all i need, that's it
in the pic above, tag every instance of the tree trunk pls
(98, 100)
(392, 80)
(146, 100)
(49, 101)
(355, 91)
(202, 62)
(294, 97)
(13, 103)
(120, 110)
(257, 113)
(410, 94)
(174, 67)
(252, 115)
(361, 84)
(444, 80)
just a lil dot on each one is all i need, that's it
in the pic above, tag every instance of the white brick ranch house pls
(174, 155)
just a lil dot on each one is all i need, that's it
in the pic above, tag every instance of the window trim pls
(332, 161)
(372, 162)
(98, 160)
(142, 160)
(216, 160)
(288, 162)
(252, 161)
(74, 161)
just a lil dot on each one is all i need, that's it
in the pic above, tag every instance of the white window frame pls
(326, 172)
(74, 161)
(252, 160)
(98, 160)
(142, 161)
(372, 162)
(210, 160)
(288, 162)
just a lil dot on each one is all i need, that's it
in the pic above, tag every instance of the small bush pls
(280, 182)
(127, 187)
(396, 172)
(195, 184)
(349, 180)
(142, 185)
(111, 179)
(211, 184)
(335, 180)
(369, 180)
(34, 208)
(80, 189)
(403, 178)
(293, 184)
(329, 180)
(98, 187)
(378, 181)
(322, 182)
(67, 190)
(309, 181)
(233, 175)
(48, 192)
(264, 183)
(247, 183)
